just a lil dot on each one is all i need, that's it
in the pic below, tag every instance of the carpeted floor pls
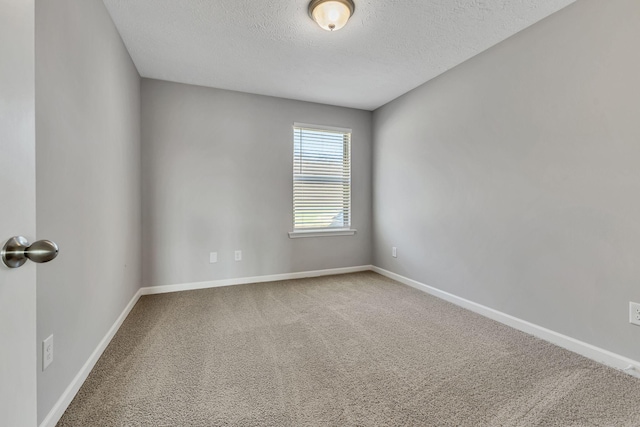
(351, 350)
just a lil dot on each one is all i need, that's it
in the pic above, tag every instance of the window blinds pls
(321, 177)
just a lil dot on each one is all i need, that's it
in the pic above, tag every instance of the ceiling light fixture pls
(331, 15)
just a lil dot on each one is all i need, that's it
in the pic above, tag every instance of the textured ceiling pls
(272, 47)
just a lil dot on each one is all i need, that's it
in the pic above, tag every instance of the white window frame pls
(329, 231)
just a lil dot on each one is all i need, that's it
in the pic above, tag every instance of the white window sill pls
(321, 233)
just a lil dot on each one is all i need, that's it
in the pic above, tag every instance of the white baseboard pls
(592, 352)
(600, 355)
(151, 290)
(63, 403)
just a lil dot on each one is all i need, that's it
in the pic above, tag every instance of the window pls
(321, 181)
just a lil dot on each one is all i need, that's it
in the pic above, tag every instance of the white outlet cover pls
(47, 352)
(394, 252)
(213, 257)
(238, 256)
(634, 313)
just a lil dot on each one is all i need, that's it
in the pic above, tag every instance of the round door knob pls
(17, 250)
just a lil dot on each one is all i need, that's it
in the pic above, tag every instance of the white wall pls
(217, 176)
(513, 180)
(88, 183)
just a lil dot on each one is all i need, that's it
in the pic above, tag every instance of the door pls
(17, 213)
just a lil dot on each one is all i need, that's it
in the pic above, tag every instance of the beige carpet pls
(351, 350)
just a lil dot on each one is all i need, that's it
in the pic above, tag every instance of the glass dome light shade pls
(331, 15)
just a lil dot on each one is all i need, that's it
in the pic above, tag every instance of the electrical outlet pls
(213, 257)
(47, 352)
(394, 252)
(238, 256)
(634, 313)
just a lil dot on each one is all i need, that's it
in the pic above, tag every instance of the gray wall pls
(88, 183)
(513, 180)
(217, 176)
